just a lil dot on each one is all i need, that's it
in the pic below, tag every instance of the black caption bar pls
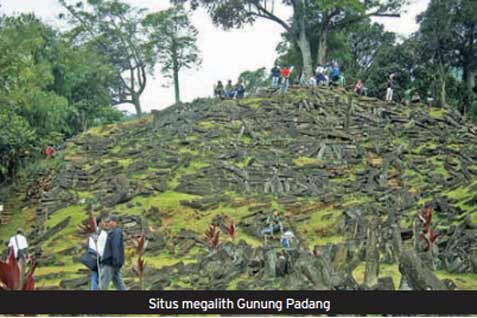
(239, 302)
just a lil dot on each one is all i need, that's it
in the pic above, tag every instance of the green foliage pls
(175, 40)
(16, 140)
(310, 19)
(114, 30)
(49, 90)
(252, 80)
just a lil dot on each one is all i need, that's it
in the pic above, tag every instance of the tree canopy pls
(175, 39)
(49, 89)
(115, 30)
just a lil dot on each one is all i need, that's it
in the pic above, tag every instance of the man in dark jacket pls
(113, 256)
(275, 76)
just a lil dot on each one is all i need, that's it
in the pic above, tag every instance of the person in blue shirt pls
(275, 76)
(335, 73)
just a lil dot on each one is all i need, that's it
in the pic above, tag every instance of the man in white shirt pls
(19, 245)
(96, 244)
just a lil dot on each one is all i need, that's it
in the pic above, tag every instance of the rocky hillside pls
(349, 175)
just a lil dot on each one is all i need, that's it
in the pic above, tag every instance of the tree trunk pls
(176, 83)
(469, 77)
(470, 80)
(305, 50)
(323, 47)
(304, 43)
(442, 99)
(137, 104)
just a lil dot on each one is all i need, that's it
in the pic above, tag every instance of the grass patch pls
(321, 228)
(207, 125)
(463, 281)
(437, 113)
(303, 161)
(384, 270)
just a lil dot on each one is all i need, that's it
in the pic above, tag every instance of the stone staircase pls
(7, 214)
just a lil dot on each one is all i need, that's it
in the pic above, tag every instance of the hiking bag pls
(90, 260)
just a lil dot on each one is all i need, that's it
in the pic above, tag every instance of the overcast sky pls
(225, 54)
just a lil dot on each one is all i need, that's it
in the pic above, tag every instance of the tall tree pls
(175, 39)
(365, 41)
(116, 29)
(464, 30)
(327, 16)
(436, 40)
(355, 48)
(322, 16)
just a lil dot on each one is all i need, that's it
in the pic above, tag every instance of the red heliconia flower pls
(231, 230)
(29, 282)
(140, 266)
(140, 241)
(426, 217)
(212, 236)
(430, 237)
(89, 227)
(9, 273)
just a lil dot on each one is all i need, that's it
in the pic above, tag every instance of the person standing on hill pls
(113, 257)
(96, 245)
(275, 76)
(390, 88)
(19, 245)
(285, 73)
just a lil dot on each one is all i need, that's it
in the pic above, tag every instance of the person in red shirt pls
(50, 152)
(285, 72)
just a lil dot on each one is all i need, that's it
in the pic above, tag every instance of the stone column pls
(372, 254)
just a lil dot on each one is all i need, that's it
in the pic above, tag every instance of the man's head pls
(20, 231)
(113, 221)
(275, 213)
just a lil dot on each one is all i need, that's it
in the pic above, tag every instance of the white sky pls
(225, 54)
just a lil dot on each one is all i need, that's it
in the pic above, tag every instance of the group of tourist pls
(281, 77)
(230, 91)
(104, 257)
(274, 225)
(331, 75)
(105, 254)
(325, 75)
